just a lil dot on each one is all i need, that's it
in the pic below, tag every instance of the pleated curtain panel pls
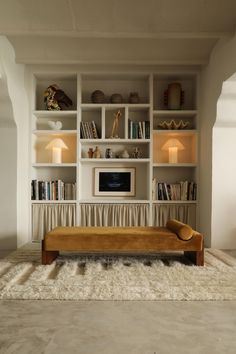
(46, 217)
(114, 214)
(164, 212)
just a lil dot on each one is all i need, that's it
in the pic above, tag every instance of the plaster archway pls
(224, 169)
(8, 168)
(15, 148)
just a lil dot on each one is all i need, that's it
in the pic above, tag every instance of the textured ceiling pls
(118, 31)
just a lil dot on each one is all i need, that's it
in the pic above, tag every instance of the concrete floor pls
(125, 327)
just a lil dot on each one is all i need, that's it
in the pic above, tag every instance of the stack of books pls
(181, 191)
(88, 130)
(139, 129)
(52, 190)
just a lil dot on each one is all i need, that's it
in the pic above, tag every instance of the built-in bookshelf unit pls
(116, 124)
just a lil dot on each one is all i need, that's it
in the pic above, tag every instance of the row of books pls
(139, 129)
(52, 190)
(183, 190)
(88, 130)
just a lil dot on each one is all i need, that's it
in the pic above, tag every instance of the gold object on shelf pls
(173, 125)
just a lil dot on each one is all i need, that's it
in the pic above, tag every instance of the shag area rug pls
(89, 277)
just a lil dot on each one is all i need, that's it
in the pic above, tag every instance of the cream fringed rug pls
(74, 277)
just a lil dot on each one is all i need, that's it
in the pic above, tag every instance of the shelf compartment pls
(115, 83)
(43, 155)
(109, 121)
(188, 85)
(67, 118)
(91, 114)
(187, 139)
(87, 176)
(45, 173)
(66, 82)
(117, 149)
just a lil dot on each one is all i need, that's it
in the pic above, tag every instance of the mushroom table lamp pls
(56, 145)
(173, 145)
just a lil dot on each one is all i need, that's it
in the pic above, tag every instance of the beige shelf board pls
(53, 201)
(115, 105)
(174, 202)
(171, 113)
(54, 132)
(175, 131)
(85, 160)
(114, 141)
(174, 164)
(55, 114)
(54, 164)
(114, 201)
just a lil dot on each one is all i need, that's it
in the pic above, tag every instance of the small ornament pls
(116, 98)
(98, 96)
(54, 97)
(115, 125)
(174, 96)
(137, 154)
(125, 154)
(134, 97)
(97, 153)
(90, 153)
(108, 153)
(55, 125)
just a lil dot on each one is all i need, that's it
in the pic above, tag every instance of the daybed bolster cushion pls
(183, 231)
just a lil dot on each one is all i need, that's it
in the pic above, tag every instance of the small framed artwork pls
(117, 181)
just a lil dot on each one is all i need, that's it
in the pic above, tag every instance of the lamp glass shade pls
(56, 145)
(173, 143)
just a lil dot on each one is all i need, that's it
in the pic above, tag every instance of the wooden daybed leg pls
(48, 256)
(197, 257)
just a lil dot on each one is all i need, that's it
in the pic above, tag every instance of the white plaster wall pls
(8, 171)
(15, 75)
(217, 174)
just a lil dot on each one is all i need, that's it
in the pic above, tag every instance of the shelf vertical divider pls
(151, 89)
(126, 122)
(78, 156)
(103, 130)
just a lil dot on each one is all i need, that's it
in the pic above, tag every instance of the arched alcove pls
(224, 169)
(8, 168)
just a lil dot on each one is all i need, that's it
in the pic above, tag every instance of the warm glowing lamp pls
(173, 145)
(56, 145)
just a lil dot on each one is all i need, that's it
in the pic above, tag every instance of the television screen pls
(114, 181)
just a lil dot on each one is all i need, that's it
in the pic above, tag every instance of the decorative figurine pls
(108, 153)
(125, 154)
(174, 96)
(115, 125)
(90, 153)
(134, 97)
(137, 154)
(98, 96)
(55, 125)
(97, 153)
(54, 97)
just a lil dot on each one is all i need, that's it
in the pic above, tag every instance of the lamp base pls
(173, 154)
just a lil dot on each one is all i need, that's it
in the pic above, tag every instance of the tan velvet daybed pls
(175, 236)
